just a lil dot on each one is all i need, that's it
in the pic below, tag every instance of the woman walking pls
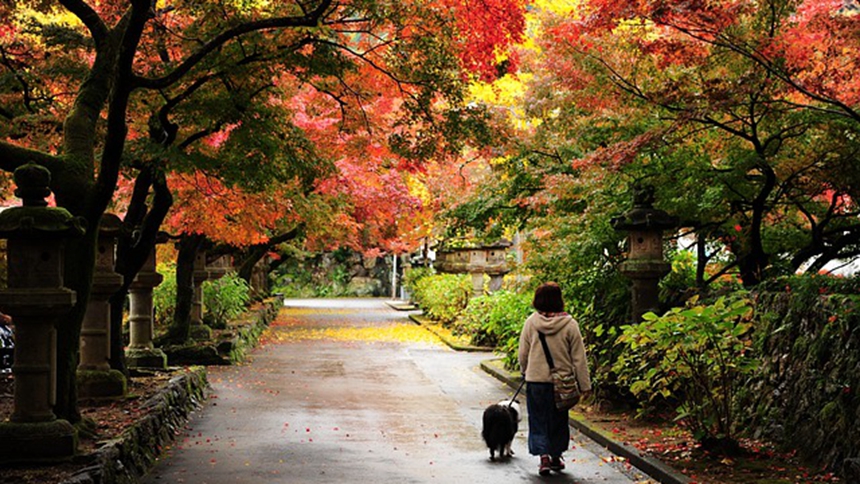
(549, 433)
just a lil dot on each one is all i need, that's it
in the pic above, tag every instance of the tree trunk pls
(252, 256)
(701, 261)
(135, 244)
(180, 328)
(256, 252)
(79, 268)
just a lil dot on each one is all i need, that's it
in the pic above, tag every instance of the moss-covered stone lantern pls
(645, 265)
(141, 353)
(477, 260)
(36, 299)
(96, 379)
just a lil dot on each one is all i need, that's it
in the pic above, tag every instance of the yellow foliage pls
(506, 91)
(54, 17)
(640, 29)
(417, 188)
(558, 7)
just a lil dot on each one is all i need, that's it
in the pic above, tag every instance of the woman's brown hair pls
(548, 298)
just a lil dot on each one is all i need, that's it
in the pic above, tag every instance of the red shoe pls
(545, 465)
(557, 464)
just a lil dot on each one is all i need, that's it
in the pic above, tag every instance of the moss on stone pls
(101, 384)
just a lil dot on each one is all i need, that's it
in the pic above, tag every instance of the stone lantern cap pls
(110, 226)
(643, 216)
(35, 218)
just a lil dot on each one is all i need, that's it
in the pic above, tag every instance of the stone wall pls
(228, 346)
(126, 459)
(805, 395)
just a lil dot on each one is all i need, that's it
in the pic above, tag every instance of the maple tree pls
(774, 120)
(740, 102)
(97, 88)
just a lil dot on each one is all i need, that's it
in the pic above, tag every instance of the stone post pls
(477, 268)
(497, 264)
(141, 353)
(96, 379)
(36, 299)
(199, 331)
(645, 265)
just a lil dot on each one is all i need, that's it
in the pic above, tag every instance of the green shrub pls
(676, 286)
(410, 280)
(496, 320)
(298, 281)
(695, 356)
(224, 299)
(164, 295)
(443, 296)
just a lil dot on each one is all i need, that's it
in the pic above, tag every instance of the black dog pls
(501, 421)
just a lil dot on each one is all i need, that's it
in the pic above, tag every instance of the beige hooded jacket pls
(565, 344)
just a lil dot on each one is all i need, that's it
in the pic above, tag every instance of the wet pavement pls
(347, 390)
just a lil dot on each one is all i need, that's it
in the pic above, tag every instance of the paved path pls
(321, 401)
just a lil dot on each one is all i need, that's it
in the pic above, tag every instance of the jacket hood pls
(551, 324)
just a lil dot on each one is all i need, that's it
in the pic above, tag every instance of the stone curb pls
(652, 467)
(402, 305)
(125, 459)
(128, 458)
(421, 320)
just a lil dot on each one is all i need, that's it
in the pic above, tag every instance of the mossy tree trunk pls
(180, 328)
(76, 187)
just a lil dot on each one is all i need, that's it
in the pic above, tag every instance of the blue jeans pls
(549, 430)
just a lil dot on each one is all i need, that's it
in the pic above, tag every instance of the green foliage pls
(496, 320)
(164, 295)
(696, 356)
(309, 279)
(225, 298)
(676, 286)
(411, 277)
(443, 296)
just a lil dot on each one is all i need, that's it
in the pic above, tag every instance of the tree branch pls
(117, 129)
(89, 17)
(310, 19)
(13, 156)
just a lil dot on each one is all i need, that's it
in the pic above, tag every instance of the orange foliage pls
(203, 205)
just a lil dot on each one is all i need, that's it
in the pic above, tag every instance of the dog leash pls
(517, 392)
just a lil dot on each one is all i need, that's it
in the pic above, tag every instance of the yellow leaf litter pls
(388, 333)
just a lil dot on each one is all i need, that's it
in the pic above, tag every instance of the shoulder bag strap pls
(546, 351)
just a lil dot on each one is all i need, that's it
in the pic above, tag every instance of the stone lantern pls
(36, 299)
(96, 379)
(141, 353)
(199, 331)
(476, 261)
(645, 265)
(219, 268)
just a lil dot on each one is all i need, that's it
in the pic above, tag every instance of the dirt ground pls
(110, 421)
(760, 462)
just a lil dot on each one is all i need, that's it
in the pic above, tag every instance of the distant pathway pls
(347, 390)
